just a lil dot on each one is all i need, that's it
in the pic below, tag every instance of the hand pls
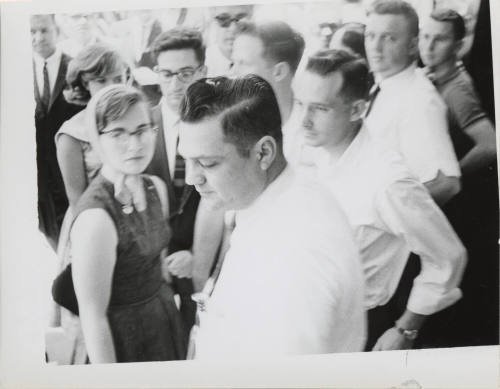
(180, 264)
(392, 339)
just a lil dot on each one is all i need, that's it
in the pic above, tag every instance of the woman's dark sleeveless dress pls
(144, 320)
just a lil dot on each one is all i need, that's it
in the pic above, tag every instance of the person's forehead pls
(387, 22)
(137, 114)
(233, 9)
(431, 25)
(178, 58)
(202, 139)
(42, 21)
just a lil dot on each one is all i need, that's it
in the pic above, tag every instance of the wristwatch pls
(408, 334)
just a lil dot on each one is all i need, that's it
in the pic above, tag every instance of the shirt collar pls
(267, 197)
(398, 78)
(349, 155)
(54, 58)
(446, 77)
(170, 116)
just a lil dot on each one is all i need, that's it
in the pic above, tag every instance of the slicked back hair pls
(247, 107)
(453, 17)
(397, 7)
(179, 38)
(281, 42)
(354, 70)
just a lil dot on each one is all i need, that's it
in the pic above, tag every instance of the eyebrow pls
(178, 70)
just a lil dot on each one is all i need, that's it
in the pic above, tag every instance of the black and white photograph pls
(230, 186)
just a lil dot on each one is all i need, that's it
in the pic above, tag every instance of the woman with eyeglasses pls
(126, 307)
(91, 70)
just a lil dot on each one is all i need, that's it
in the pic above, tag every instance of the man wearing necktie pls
(49, 65)
(408, 112)
(180, 55)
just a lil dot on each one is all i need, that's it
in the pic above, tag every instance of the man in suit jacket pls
(180, 57)
(49, 65)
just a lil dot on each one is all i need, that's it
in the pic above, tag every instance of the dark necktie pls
(229, 225)
(179, 173)
(371, 98)
(46, 88)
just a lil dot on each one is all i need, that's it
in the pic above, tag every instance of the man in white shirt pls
(225, 20)
(180, 55)
(291, 281)
(52, 110)
(390, 211)
(405, 109)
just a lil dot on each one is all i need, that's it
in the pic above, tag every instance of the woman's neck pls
(115, 176)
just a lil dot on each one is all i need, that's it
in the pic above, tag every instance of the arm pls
(484, 151)
(70, 159)
(208, 229)
(443, 188)
(94, 240)
(427, 148)
(408, 211)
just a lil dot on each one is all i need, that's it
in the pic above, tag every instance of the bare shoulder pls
(93, 225)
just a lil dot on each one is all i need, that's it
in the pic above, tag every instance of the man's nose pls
(176, 83)
(194, 174)
(306, 116)
(37, 36)
(233, 26)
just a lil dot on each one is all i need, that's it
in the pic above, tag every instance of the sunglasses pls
(224, 20)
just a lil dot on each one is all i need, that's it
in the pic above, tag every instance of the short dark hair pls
(179, 38)
(453, 17)
(396, 7)
(354, 70)
(247, 106)
(355, 40)
(281, 42)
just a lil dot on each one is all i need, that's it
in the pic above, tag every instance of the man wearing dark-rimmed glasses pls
(225, 21)
(180, 57)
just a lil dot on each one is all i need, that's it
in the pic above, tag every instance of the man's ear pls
(357, 110)
(458, 46)
(281, 70)
(413, 46)
(265, 151)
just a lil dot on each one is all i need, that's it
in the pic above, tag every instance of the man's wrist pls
(408, 333)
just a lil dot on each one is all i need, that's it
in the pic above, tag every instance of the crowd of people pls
(264, 198)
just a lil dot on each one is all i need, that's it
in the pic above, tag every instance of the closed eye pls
(207, 164)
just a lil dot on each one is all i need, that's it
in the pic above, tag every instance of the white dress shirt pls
(410, 116)
(217, 63)
(53, 63)
(392, 214)
(171, 131)
(291, 282)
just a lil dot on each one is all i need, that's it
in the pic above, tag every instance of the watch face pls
(410, 334)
